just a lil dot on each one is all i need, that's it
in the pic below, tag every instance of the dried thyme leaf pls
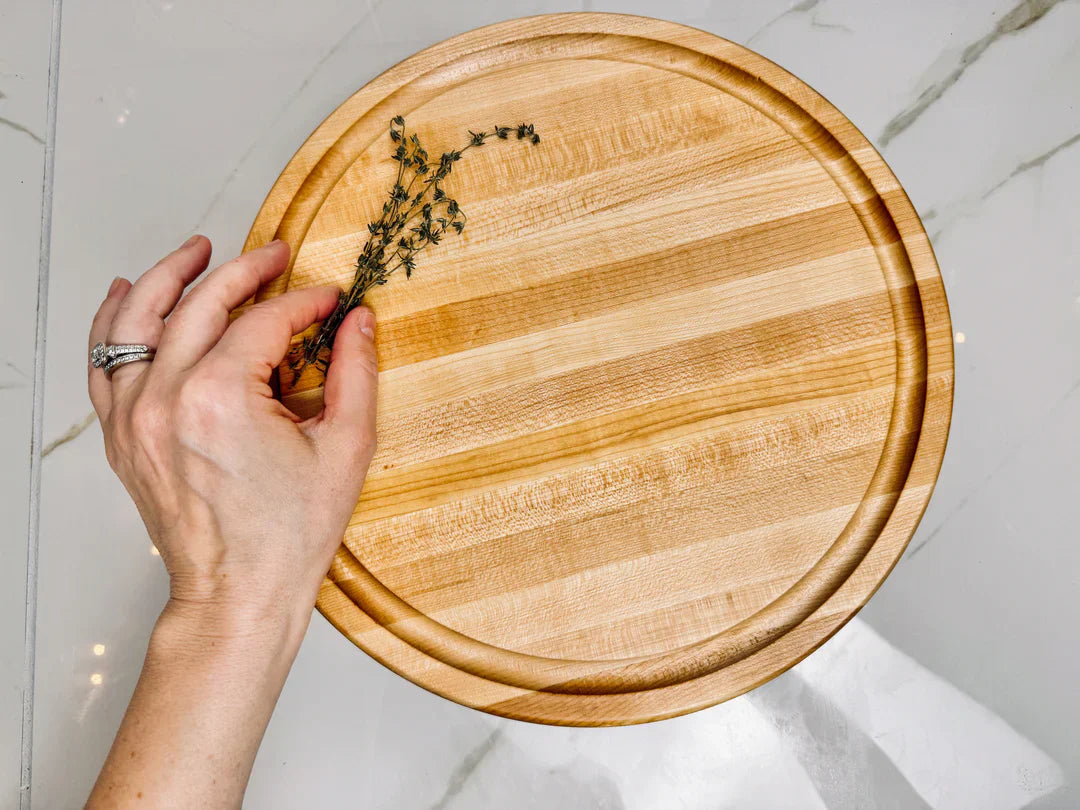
(410, 221)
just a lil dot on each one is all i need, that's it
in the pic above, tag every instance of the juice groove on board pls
(668, 412)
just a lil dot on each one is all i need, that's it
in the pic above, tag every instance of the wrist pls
(214, 597)
(232, 621)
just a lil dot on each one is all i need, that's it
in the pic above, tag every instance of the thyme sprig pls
(418, 213)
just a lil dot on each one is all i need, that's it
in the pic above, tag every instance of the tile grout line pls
(33, 524)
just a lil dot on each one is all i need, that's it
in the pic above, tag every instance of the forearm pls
(209, 683)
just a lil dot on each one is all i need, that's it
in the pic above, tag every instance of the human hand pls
(245, 501)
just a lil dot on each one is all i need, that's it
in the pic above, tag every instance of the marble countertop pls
(955, 688)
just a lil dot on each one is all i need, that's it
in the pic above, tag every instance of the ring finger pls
(100, 390)
(141, 316)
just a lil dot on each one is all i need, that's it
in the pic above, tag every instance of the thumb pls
(348, 418)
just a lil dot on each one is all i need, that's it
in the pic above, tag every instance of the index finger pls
(257, 341)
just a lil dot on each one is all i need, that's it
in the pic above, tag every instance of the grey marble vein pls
(368, 15)
(799, 8)
(984, 482)
(17, 370)
(950, 215)
(467, 767)
(375, 24)
(1033, 163)
(6, 122)
(1019, 17)
(827, 26)
(72, 432)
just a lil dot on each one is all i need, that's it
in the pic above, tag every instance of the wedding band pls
(125, 358)
(109, 357)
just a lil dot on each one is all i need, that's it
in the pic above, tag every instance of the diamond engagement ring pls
(107, 358)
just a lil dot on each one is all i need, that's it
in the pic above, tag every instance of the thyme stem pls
(408, 224)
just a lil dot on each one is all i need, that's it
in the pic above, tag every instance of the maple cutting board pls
(667, 413)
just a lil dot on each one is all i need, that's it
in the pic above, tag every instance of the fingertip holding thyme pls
(418, 213)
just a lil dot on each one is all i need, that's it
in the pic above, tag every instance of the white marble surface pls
(956, 688)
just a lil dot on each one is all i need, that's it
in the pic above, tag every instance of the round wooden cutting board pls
(667, 413)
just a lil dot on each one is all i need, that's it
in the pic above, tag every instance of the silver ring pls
(109, 357)
(120, 360)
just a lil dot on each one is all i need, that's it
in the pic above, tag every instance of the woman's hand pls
(245, 501)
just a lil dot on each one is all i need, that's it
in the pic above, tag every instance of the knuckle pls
(368, 364)
(195, 393)
(183, 306)
(200, 403)
(250, 274)
(240, 275)
(263, 309)
(134, 326)
(147, 419)
(126, 308)
(184, 314)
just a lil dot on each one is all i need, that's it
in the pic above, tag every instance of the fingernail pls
(114, 286)
(276, 244)
(367, 323)
(190, 241)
